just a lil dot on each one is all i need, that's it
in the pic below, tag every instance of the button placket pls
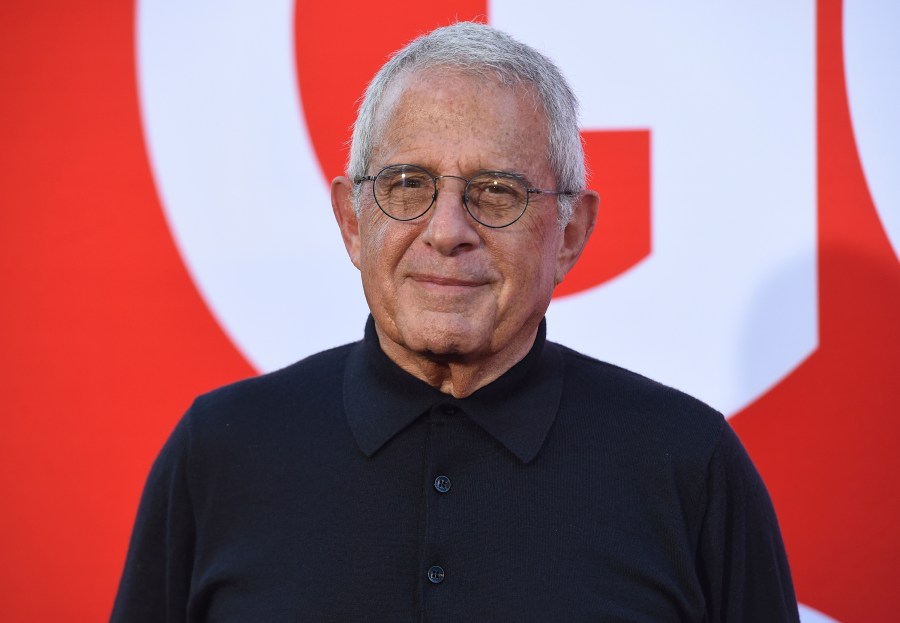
(437, 479)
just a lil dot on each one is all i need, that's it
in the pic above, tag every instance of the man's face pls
(443, 285)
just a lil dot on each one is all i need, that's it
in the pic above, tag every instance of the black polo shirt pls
(343, 489)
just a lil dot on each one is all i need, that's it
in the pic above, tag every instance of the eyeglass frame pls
(465, 195)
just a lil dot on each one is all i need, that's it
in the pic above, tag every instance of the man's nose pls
(450, 228)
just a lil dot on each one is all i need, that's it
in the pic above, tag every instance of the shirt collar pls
(517, 409)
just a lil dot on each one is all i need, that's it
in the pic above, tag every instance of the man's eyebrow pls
(499, 172)
(502, 173)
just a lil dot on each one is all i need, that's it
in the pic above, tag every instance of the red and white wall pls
(165, 228)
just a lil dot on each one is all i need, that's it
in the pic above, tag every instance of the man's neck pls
(457, 376)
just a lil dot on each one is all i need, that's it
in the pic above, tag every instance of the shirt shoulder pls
(305, 380)
(634, 413)
(634, 390)
(304, 399)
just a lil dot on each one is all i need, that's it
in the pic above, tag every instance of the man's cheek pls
(373, 238)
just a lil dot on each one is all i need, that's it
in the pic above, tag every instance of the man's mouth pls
(446, 283)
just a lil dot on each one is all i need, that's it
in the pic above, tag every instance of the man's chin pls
(445, 349)
(444, 337)
(441, 335)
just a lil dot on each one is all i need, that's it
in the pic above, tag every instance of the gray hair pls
(484, 51)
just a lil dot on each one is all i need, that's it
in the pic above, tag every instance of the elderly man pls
(455, 465)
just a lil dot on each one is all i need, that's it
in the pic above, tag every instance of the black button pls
(442, 484)
(436, 574)
(449, 409)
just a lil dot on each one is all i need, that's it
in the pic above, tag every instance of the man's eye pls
(405, 181)
(497, 188)
(411, 181)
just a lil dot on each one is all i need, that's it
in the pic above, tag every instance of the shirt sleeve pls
(742, 556)
(156, 581)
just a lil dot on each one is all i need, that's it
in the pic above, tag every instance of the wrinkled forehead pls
(488, 82)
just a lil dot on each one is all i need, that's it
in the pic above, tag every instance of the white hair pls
(481, 50)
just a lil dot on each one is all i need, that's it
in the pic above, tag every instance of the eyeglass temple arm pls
(539, 191)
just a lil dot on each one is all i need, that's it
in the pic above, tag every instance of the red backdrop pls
(105, 340)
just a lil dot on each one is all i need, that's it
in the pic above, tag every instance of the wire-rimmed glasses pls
(493, 198)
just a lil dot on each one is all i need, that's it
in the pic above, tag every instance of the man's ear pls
(342, 204)
(577, 232)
